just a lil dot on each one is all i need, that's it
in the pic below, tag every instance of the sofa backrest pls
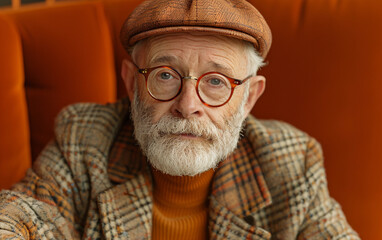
(67, 57)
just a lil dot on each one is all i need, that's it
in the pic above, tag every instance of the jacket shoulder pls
(84, 135)
(279, 144)
(272, 130)
(92, 113)
(86, 121)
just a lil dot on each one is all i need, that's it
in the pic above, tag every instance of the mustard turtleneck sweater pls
(180, 208)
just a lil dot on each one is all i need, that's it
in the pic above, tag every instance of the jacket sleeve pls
(324, 218)
(46, 204)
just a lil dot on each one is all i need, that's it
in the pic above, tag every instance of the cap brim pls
(179, 29)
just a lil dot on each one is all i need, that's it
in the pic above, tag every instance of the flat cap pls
(234, 18)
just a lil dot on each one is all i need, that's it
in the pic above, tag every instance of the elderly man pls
(191, 162)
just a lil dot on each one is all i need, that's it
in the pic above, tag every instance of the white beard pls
(178, 156)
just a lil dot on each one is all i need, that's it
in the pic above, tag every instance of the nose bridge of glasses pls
(192, 83)
(190, 77)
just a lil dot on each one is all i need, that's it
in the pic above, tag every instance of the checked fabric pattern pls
(92, 182)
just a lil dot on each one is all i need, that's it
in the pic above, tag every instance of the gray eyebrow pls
(221, 68)
(164, 60)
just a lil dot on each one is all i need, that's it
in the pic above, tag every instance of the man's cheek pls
(159, 111)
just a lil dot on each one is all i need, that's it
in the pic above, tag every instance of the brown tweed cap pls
(233, 18)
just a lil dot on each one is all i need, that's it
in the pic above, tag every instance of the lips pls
(186, 135)
(182, 134)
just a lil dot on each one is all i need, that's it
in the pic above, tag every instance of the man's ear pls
(256, 89)
(127, 73)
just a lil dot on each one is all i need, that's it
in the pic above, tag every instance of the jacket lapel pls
(239, 191)
(126, 208)
(224, 224)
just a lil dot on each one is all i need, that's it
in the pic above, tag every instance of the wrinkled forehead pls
(192, 46)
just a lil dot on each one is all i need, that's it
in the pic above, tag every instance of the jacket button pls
(250, 220)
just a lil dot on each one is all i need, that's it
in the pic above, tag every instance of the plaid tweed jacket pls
(92, 182)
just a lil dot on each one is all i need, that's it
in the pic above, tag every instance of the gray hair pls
(254, 63)
(254, 60)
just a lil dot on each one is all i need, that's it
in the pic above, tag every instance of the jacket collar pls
(239, 183)
(126, 160)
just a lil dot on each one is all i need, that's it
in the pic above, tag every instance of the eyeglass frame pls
(234, 83)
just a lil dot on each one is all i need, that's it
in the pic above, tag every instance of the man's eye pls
(215, 82)
(165, 76)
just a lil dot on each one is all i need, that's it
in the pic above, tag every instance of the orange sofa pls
(324, 76)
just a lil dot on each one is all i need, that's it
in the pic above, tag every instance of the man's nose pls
(188, 104)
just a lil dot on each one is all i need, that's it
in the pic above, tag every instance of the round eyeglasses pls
(214, 89)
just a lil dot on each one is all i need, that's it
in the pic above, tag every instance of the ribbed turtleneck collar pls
(181, 192)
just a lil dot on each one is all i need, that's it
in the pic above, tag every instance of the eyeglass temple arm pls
(239, 82)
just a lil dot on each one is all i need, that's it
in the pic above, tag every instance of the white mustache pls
(168, 125)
